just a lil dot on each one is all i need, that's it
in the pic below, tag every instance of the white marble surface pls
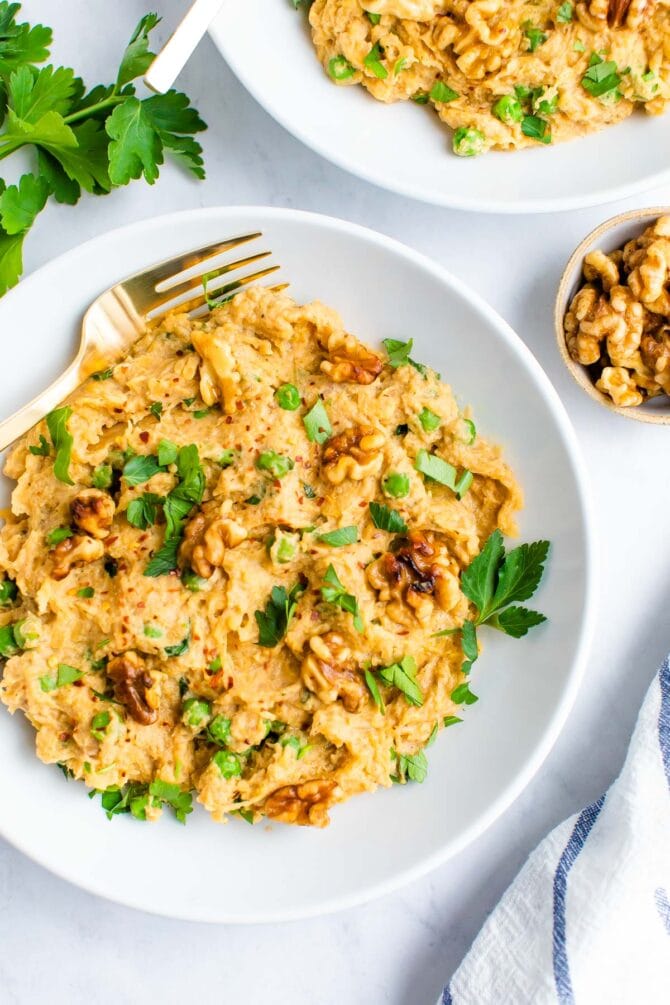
(64, 946)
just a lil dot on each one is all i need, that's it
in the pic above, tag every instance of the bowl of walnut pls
(612, 314)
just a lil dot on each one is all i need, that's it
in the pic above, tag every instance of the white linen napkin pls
(587, 920)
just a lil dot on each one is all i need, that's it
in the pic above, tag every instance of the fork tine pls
(160, 275)
(214, 274)
(187, 306)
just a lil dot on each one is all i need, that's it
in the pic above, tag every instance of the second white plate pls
(404, 147)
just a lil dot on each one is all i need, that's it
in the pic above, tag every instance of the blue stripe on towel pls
(663, 906)
(664, 716)
(576, 842)
(446, 996)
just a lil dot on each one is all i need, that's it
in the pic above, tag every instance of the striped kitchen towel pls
(587, 920)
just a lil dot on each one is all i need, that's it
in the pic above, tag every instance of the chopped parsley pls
(536, 128)
(156, 408)
(177, 506)
(403, 676)
(334, 592)
(274, 620)
(167, 453)
(602, 78)
(141, 468)
(62, 440)
(373, 62)
(373, 18)
(373, 688)
(43, 450)
(181, 647)
(462, 695)
(317, 424)
(153, 632)
(385, 518)
(439, 470)
(64, 675)
(441, 93)
(565, 13)
(227, 458)
(399, 355)
(103, 374)
(410, 767)
(143, 512)
(86, 592)
(58, 534)
(99, 724)
(536, 37)
(340, 537)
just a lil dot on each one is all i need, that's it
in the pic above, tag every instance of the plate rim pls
(586, 512)
(525, 206)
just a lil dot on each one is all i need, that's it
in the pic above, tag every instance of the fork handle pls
(170, 61)
(28, 416)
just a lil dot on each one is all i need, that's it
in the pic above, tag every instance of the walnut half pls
(132, 681)
(355, 453)
(349, 360)
(416, 574)
(205, 542)
(93, 512)
(330, 673)
(306, 804)
(76, 550)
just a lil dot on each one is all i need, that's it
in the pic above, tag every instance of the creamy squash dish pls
(249, 561)
(502, 74)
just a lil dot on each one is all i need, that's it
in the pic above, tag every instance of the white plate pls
(238, 873)
(405, 148)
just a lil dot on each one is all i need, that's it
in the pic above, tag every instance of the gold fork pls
(119, 316)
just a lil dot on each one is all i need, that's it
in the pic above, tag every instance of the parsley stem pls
(85, 113)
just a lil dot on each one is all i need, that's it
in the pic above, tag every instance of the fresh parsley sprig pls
(496, 583)
(91, 140)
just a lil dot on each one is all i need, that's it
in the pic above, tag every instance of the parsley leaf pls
(62, 441)
(462, 695)
(43, 450)
(439, 470)
(180, 648)
(494, 580)
(340, 537)
(373, 62)
(273, 622)
(565, 13)
(142, 512)
(141, 468)
(410, 767)
(64, 675)
(602, 77)
(399, 355)
(373, 688)
(317, 424)
(20, 204)
(403, 676)
(333, 592)
(83, 139)
(385, 518)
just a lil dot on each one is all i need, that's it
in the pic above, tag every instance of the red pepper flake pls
(363, 505)
(144, 436)
(78, 683)
(229, 683)
(229, 419)
(320, 501)
(239, 405)
(63, 737)
(119, 410)
(111, 540)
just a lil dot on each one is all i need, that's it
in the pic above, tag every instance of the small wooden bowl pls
(608, 237)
